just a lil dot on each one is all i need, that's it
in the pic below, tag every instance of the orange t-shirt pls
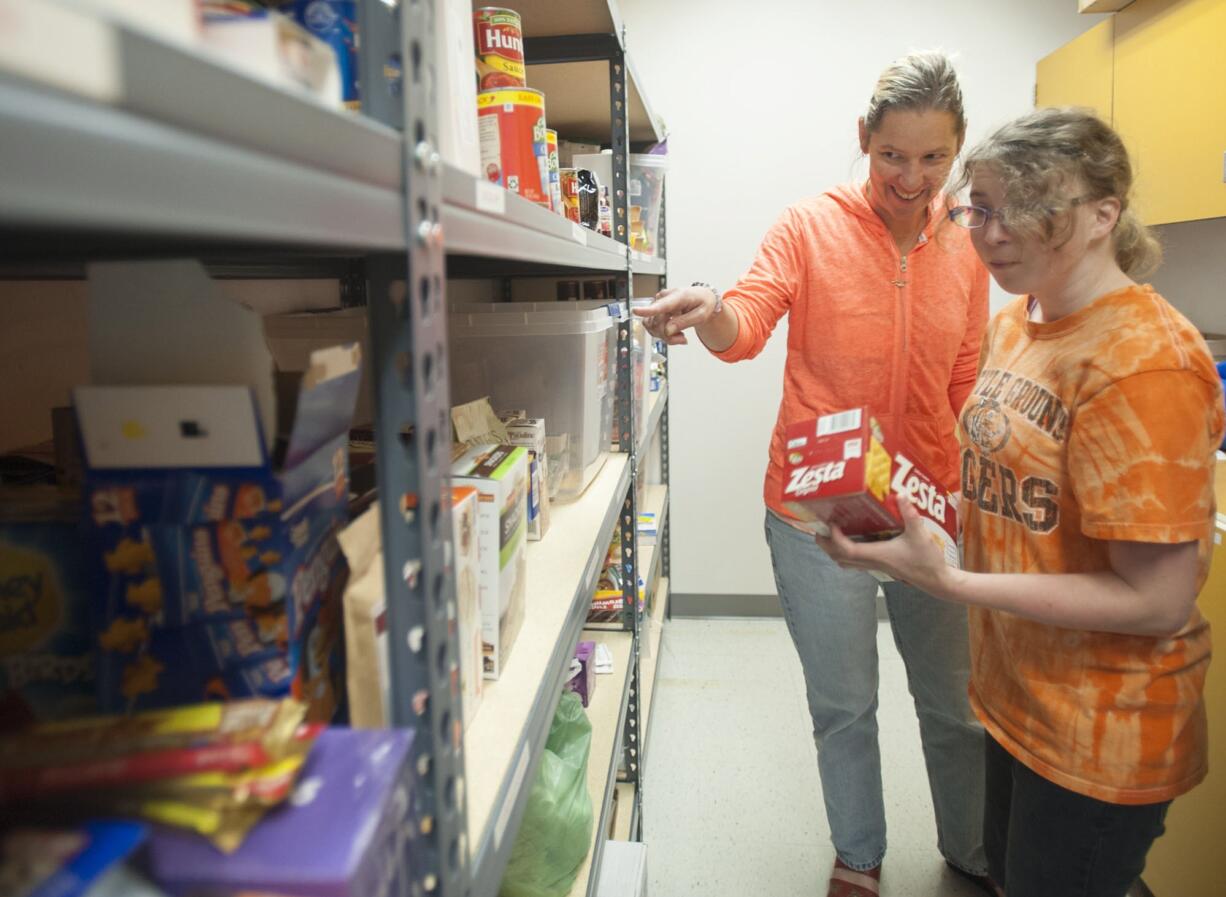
(866, 326)
(1099, 426)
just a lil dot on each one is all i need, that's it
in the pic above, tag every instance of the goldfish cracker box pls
(499, 473)
(214, 491)
(46, 641)
(843, 469)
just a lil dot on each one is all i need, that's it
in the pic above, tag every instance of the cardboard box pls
(197, 519)
(530, 433)
(466, 568)
(346, 832)
(46, 628)
(499, 473)
(365, 607)
(842, 469)
(274, 48)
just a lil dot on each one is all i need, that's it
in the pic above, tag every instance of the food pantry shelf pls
(71, 165)
(649, 658)
(502, 746)
(658, 401)
(484, 221)
(572, 111)
(641, 263)
(607, 713)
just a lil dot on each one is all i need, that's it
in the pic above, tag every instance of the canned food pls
(555, 186)
(499, 37)
(511, 126)
(589, 199)
(596, 290)
(568, 183)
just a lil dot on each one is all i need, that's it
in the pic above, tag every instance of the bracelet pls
(719, 302)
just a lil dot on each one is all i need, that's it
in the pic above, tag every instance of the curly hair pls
(1045, 159)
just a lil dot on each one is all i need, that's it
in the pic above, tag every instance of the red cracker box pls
(842, 469)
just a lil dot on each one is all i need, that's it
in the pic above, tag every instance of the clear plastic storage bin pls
(552, 360)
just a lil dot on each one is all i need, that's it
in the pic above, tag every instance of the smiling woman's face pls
(909, 155)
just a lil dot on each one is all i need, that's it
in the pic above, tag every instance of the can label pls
(511, 128)
(499, 38)
(568, 179)
(555, 185)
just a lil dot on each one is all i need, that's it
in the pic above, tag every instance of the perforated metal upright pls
(408, 318)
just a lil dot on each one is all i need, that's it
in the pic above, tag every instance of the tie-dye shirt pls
(1099, 426)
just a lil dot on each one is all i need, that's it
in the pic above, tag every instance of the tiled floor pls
(732, 802)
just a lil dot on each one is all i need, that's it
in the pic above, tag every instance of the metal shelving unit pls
(149, 149)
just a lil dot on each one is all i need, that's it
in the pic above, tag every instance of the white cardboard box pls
(623, 869)
(499, 473)
(466, 565)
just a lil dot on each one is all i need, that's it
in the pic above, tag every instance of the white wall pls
(761, 102)
(1193, 272)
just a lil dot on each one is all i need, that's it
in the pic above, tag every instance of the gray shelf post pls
(413, 439)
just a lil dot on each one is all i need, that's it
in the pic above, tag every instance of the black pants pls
(1046, 841)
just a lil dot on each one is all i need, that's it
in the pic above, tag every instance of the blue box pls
(215, 561)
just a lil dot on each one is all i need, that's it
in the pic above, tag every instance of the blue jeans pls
(1046, 841)
(831, 614)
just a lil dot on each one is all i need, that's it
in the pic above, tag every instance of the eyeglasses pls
(978, 216)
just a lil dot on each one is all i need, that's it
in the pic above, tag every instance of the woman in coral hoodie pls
(886, 308)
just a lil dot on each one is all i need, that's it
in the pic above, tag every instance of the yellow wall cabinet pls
(1079, 73)
(1166, 66)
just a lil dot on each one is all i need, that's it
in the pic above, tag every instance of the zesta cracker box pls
(841, 470)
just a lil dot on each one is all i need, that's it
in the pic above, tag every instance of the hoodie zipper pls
(898, 400)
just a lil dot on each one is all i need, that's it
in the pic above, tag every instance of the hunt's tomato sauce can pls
(511, 127)
(499, 39)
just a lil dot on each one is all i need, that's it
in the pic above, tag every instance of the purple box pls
(583, 683)
(347, 831)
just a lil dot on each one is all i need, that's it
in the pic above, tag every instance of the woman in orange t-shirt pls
(1087, 494)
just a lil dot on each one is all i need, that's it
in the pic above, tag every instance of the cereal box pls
(499, 473)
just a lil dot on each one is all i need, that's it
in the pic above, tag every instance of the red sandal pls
(847, 882)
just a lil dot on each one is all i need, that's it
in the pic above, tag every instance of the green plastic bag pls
(556, 833)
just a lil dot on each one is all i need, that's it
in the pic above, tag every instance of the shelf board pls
(503, 744)
(649, 658)
(607, 713)
(484, 221)
(658, 402)
(547, 18)
(641, 263)
(70, 166)
(577, 102)
(625, 811)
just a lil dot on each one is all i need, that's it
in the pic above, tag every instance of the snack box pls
(46, 628)
(529, 432)
(583, 672)
(499, 473)
(345, 832)
(197, 513)
(841, 469)
(466, 566)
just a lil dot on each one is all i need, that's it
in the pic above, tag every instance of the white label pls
(838, 423)
(491, 198)
(853, 448)
(579, 232)
(490, 140)
(797, 443)
(517, 782)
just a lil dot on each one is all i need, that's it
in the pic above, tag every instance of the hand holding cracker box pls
(844, 470)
